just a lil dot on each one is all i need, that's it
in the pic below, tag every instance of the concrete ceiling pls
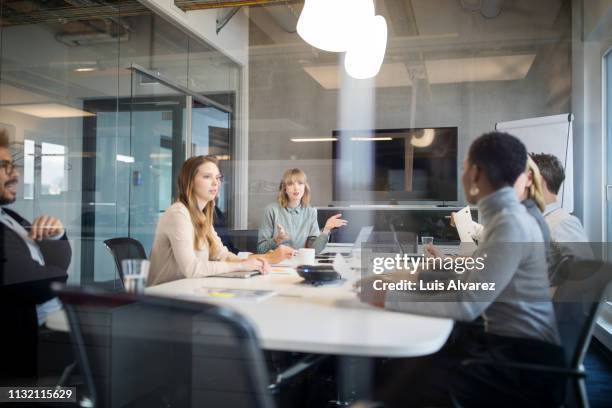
(425, 30)
(419, 31)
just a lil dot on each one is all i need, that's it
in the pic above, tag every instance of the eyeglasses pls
(9, 166)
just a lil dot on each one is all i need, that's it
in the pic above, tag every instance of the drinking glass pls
(135, 274)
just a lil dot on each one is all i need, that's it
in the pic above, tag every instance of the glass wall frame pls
(84, 65)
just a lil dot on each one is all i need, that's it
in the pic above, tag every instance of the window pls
(28, 169)
(53, 178)
(603, 329)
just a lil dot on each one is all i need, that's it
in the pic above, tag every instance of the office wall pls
(287, 103)
(591, 38)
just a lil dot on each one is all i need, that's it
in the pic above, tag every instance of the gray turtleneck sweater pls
(515, 260)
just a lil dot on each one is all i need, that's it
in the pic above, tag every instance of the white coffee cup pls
(244, 255)
(306, 256)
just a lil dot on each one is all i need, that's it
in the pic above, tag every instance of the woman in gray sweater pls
(291, 221)
(519, 318)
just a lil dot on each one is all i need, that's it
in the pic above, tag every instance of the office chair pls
(146, 351)
(124, 248)
(581, 289)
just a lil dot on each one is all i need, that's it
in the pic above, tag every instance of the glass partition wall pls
(103, 153)
(102, 110)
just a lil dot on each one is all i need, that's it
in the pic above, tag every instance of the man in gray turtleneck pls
(520, 322)
(520, 304)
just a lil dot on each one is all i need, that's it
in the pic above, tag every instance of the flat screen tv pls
(392, 165)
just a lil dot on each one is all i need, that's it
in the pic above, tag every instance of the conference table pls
(327, 319)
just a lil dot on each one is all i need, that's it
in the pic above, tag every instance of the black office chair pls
(581, 289)
(245, 240)
(147, 351)
(124, 248)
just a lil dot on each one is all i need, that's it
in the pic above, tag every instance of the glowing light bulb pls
(330, 25)
(367, 50)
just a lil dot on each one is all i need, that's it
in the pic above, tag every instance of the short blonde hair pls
(535, 191)
(289, 176)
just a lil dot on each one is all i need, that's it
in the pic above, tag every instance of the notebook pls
(235, 294)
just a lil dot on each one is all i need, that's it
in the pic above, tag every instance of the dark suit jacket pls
(24, 283)
(220, 224)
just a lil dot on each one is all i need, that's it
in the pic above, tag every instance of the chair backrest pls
(140, 350)
(581, 289)
(124, 248)
(245, 240)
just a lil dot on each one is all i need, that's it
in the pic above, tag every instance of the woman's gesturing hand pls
(281, 234)
(334, 222)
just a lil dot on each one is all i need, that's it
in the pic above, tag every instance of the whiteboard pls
(551, 135)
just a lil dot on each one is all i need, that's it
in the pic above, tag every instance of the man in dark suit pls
(220, 224)
(32, 256)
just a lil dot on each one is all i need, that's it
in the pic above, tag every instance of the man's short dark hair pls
(551, 169)
(4, 139)
(501, 156)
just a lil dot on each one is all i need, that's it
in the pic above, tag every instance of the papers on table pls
(277, 269)
(235, 294)
(287, 263)
(465, 225)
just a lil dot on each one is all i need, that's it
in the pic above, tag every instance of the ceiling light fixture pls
(48, 110)
(330, 24)
(85, 69)
(125, 159)
(371, 139)
(315, 139)
(425, 140)
(367, 53)
(349, 26)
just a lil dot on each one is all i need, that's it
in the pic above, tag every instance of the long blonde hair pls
(535, 191)
(202, 220)
(289, 176)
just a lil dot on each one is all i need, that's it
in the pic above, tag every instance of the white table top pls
(325, 319)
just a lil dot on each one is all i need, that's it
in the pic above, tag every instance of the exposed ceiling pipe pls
(491, 8)
(187, 5)
(89, 38)
(286, 16)
(88, 3)
(13, 16)
(487, 8)
(224, 17)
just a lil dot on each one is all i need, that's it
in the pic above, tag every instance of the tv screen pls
(389, 165)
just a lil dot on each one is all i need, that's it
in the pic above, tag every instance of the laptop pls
(393, 242)
(237, 274)
(332, 248)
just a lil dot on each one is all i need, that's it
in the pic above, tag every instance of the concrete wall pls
(295, 105)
